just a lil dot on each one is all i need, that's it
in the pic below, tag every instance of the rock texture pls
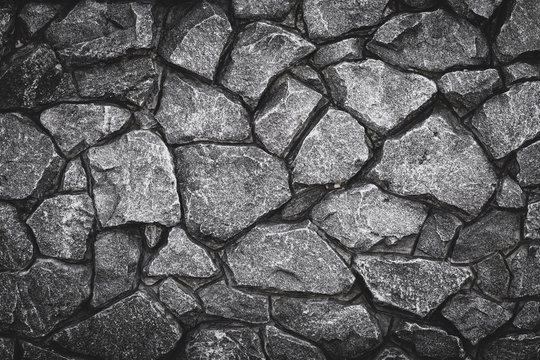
(282, 346)
(524, 264)
(437, 234)
(16, 248)
(527, 160)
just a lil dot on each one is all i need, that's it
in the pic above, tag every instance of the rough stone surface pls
(35, 15)
(7, 348)
(512, 347)
(493, 277)
(392, 353)
(74, 176)
(34, 352)
(16, 248)
(308, 75)
(283, 346)
(302, 202)
(528, 317)
(7, 20)
(437, 233)
(510, 194)
(527, 160)
(532, 221)
(177, 298)
(520, 71)
(524, 265)
(270, 9)
(152, 234)
(344, 50)
(474, 8)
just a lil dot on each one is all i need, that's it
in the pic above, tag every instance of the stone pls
(134, 327)
(195, 41)
(492, 276)
(506, 121)
(437, 233)
(152, 234)
(381, 97)
(420, 4)
(74, 176)
(345, 331)
(95, 31)
(511, 42)
(309, 76)
(36, 300)
(333, 151)
(524, 265)
(288, 258)
(7, 349)
(182, 257)
(474, 8)
(284, 116)
(145, 119)
(221, 300)
(510, 195)
(261, 52)
(326, 20)
(116, 257)
(512, 347)
(431, 158)
(7, 22)
(268, 9)
(413, 285)
(16, 248)
(302, 202)
(282, 346)
(62, 224)
(520, 71)
(134, 181)
(497, 230)
(227, 188)
(466, 89)
(35, 16)
(33, 352)
(527, 160)
(192, 111)
(532, 221)
(178, 299)
(343, 50)
(392, 353)
(364, 215)
(475, 317)
(528, 317)
(414, 41)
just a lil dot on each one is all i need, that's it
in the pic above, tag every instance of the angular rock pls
(528, 316)
(413, 285)
(7, 349)
(363, 216)
(528, 159)
(302, 202)
(532, 221)
(145, 119)
(33, 352)
(7, 20)
(282, 346)
(62, 224)
(524, 265)
(520, 71)
(177, 299)
(414, 41)
(343, 50)
(35, 16)
(152, 234)
(309, 76)
(134, 181)
(512, 347)
(434, 156)
(510, 194)
(382, 97)
(227, 188)
(392, 353)
(192, 111)
(345, 331)
(16, 248)
(437, 233)
(225, 343)
(474, 8)
(492, 276)
(261, 51)
(286, 258)
(268, 9)
(74, 176)
(135, 327)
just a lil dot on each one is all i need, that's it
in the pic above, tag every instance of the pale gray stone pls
(302, 202)
(35, 16)
(532, 221)
(520, 71)
(510, 194)
(524, 265)
(152, 234)
(475, 8)
(269, 9)
(528, 317)
(528, 160)
(7, 349)
(512, 347)
(178, 299)
(436, 236)
(283, 346)
(492, 276)
(34, 352)
(224, 343)
(344, 50)
(16, 248)
(74, 176)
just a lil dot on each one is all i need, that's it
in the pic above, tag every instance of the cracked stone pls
(524, 265)
(302, 202)
(16, 248)
(283, 346)
(74, 176)
(382, 97)
(62, 224)
(145, 119)
(178, 299)
(288, 258)
(528, 160)
(227, 188)
(35, 16)
(512, 347)
(493, 277)
(474, 8)
(392, 353)
(343, 50)
(268, 9)
(510, 194)
(7, 349)
(532, 221)
(309, 76)
(437, 233)
(152, 234)
(134, 181)
(415, 41)
(7, 22)
(363, 216)
(528, 316)
(520, 71)
(33, 352)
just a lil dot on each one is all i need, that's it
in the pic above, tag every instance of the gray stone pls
(7, 20)
(35, 16)
(34, 352)
(309, 76)
(196, 40)
(16, 248)
(302, 202)
(528, 317)
(392, 353)
(287, 258)
(74, 176)
(135, 327)
(532, 221)
(224, 343)
(413, 285)
(134, 181)
(192, 111)
(261, 51)
(520, 71)
(510, 195)
(492, 276)
(62, 224)
(145, 119)
(227, 188)
(507, 120)
(152, 234)
(346, 331)
(363, 216)
(474, 316)
(343, 50)
(178, 299)
(333, 151)
(528, 160)
(512, 347)
(7, 349)
(382, 97)
(420, 4)
(524, 265)
(436, 236)
(434, 156)
(286, 113)
(414, 41)
(269, 9)
(282, 346)
(475, 8)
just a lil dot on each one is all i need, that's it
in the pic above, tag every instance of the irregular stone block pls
(510, 194)
(520, 71)
(532, 221)
(302, 202)
(343, 50)
(475, 8)
(35, 16)
(437, 233)
(178, 299)
(7, 348)
(392, 353)
(74, 176)
(269, 9)
(512, 347)
(152, 234)
(16, 248)
(492, 276)
(524, 265)
(33, 352)
(282, 346)
(7, 20)
(528, 160)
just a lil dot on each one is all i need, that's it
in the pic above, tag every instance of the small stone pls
(268, 9)
(8, 10)
(261, 51)
(413, 285)
(302, 202)
(35, 16)
(415, 41)
(507, 120)
(532, 221)
(528, 159)
(62, 224)
(74, 176)
(33, 352)
(492, 276)
(192, 111)
(420, 4)
(343, 50)
(382, 97)
(136, 327)
(510, 195)
(392, 353)
(346, 331)
(512, 347)
(437, 234)
(182, 257)
(286, 113)
(528, 316)
(134, 181)
(363, 216)
(474, 316)
(7, 349)
(474, 8)
(145, 119)
(309, 76)
(282, 346)
(152, 234)
(16, 248)
(286, 258)
(226, 343)
(524, 265)
(177, 299)
(227, 188)
(520, 71)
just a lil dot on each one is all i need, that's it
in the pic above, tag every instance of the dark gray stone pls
(520, 71)
(224, 343)
(269, 9)
(152, 234)
(437, 233)
(344, 50)
(35, 16)
(472, 9)
(178, 299)
(34, 352)
(492, 276)
(16, 248)
(302, 202)
(528, 160)
(510, 195)
(532, 221)
(145, 119)
(7, 21)
(74, 176)
(7, 349)
(283, 346)
(309, 76)
(528, 317)
(392, 353)
(512, 347)
(524, 265)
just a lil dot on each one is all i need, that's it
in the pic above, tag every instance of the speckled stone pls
(16, 248)
(524, 265)
(532, 221)
(492, 276)
(512, 347)
(473, 9)
(74, 176)
(528, 160)
(7, 22)
(520, 71)
(392, 353)
(283, 346)
(343, 50)
(528, 317)
(437, 233)
(35, 16)
(178, 299)
(510, 195)
(267, 9)
(301, 202)
(34, 352)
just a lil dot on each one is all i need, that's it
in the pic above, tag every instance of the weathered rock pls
(434, 156)
(346, 331)
(528, 159)
(528, 316)
(261, 51)
(196, 40)
(282, 346)
(415, 41)
(224, 343)
(414, 285)
(7, 20)
(178, 299)
(392, 353)
(145, 119)
(182, 257)
(35, 15)
(492, 276)
(152, 234)
(437, 233)
(7, 349)
(363, 216)
(33, 352)
(287, 257)
(507, 120)
(524, 265)
(382, 97)
(269, 9)
(302, 202)
(62, 224)
(510, 194)
(134, 181)
(474, 8)
(135, 327)
(227, 188)
(192, 111)
(532, 221)
(74, 176)
(308, 75)
(474, 316)
(343, 50)
(512, 347)
(520, 71)
(16, 248)
(420, 4)
(282, 118)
